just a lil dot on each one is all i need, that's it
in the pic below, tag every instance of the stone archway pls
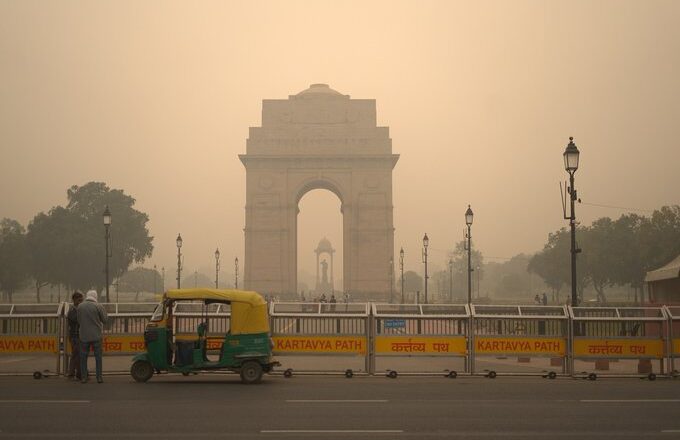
(319, 139)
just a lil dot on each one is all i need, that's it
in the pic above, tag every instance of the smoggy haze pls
(480, 99)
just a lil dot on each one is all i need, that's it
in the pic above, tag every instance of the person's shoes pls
(100, 379)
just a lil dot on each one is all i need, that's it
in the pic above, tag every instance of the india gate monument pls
(319, 139)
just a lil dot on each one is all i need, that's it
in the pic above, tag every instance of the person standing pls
(91, 318)
(72, 317)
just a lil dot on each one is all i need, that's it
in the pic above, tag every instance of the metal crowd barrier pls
(572, 339)
(614, 334)
(673, 313)
(419, 331)
(524, 332)
(33, 329)
(331, 329)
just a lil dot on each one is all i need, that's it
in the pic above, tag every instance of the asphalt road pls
(219, 406)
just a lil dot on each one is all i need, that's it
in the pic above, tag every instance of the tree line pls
(613, 252)
(66, 245)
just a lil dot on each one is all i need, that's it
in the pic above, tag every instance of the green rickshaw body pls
(246, 348)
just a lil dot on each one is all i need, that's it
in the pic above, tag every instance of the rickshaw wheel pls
(251, 372)
(141, 371)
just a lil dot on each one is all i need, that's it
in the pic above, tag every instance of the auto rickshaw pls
(245, 348)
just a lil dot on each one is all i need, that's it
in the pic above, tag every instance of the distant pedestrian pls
(323, 298)
(545, 299)
(74, 340)
(91, 318)
(537, 300)
(333, 301)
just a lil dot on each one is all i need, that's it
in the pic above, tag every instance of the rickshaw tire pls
(185, 373)
(37, 375)
(592, 376)
(141, 371)
(349, 373)
(491, 375)
(552, 375)
(452, 374)
(651, 376)
(251, 372)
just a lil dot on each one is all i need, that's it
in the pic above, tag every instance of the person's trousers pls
(74, 360)
(85, 351)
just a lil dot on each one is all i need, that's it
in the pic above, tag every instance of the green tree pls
(197, 279)
(599, 259)
(553, 263)
(412, 282)
(140, 279)
(68, 245)
(14, 257)
(50, 240)
(459, 257)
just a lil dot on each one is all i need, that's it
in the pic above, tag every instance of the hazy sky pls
(156, 98)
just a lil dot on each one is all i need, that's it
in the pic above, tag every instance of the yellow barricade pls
(619, 348)
(521, 346)
(423, 345)
(676, 346)
(320, 344)
(28, 344)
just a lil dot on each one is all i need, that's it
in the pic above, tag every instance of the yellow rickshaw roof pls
(242, 296)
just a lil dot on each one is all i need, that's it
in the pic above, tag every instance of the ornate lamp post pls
(426, 243)
(217, 268)
(401, 268)
(391, 278)
(451, 280)
(571, 156)
(107, 239)
(468, 221)
(179, 261)
(236, 272)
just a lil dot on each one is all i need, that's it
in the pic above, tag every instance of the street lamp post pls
(571, 156)
(426, 242)
(451, 280)
(401, 268)
(217, 268)
(236, 272)
(163, 279)
(391, 279)
(179, 260)
(107, 239)
(155, 282)
(468, 221)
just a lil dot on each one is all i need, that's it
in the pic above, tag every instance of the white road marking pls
(671, 431)
(44, 401)
(629, 400)
(331, 431)
(339, 401)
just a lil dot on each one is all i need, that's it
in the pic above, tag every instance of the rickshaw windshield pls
(158, 313)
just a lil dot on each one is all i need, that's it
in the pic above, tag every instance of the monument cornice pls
(320, 161)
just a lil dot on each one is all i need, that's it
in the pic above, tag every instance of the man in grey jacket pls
(91, 318)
